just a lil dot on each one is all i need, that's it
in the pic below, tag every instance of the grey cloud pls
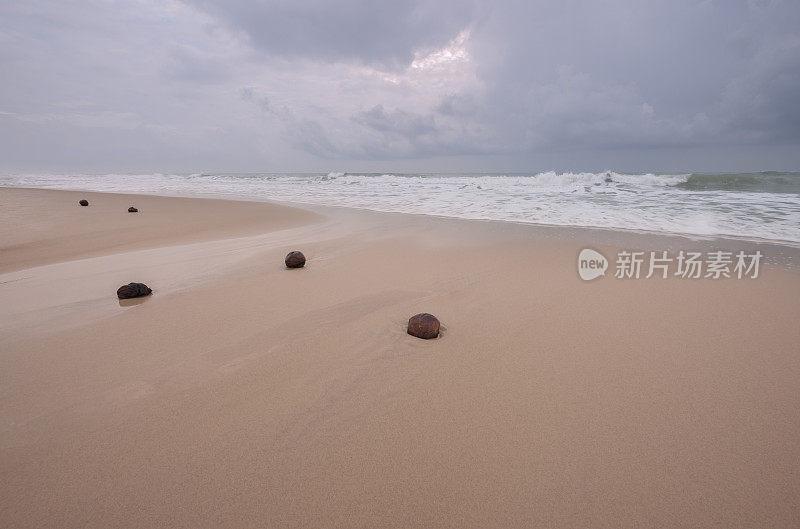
(616, 75)
(250, 93)
(191, 66)
(378, 133)
(680, 59)
(269, 85)
(115, 86)
(397, 122)
(377, 33)
(762, 104)
(457, 105)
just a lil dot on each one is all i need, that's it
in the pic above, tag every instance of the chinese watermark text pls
(684, 265)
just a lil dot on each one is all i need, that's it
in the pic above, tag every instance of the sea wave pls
(751, 205)
(769, 181)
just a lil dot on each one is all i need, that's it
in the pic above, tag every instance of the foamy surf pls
(749, 205)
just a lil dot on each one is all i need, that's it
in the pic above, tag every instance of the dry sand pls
(244, 394)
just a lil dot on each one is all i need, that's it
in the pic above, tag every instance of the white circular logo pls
(591, 264)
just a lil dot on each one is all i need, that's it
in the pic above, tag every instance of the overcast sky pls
(402, 85)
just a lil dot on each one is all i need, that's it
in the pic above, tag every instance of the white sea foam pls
(653, 202)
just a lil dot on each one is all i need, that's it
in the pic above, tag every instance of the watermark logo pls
(591, 264)
(684, 265)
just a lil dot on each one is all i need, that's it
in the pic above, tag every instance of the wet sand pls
(39, 229)
(244, 394)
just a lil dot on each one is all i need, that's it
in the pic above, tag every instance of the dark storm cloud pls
(378, 33)
(261, 85)
(559, 75)
(643, 72)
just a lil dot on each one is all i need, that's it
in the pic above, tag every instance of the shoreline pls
(34, 232)
(241, 393)
(703, 238)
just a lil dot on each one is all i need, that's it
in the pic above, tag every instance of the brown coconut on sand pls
(295, 259)
(424, 325)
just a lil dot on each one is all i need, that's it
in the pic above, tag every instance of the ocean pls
(756, 206)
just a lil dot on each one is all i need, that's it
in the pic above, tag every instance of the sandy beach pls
(243, 394)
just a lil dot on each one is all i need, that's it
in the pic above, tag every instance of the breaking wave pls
(762, 205)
